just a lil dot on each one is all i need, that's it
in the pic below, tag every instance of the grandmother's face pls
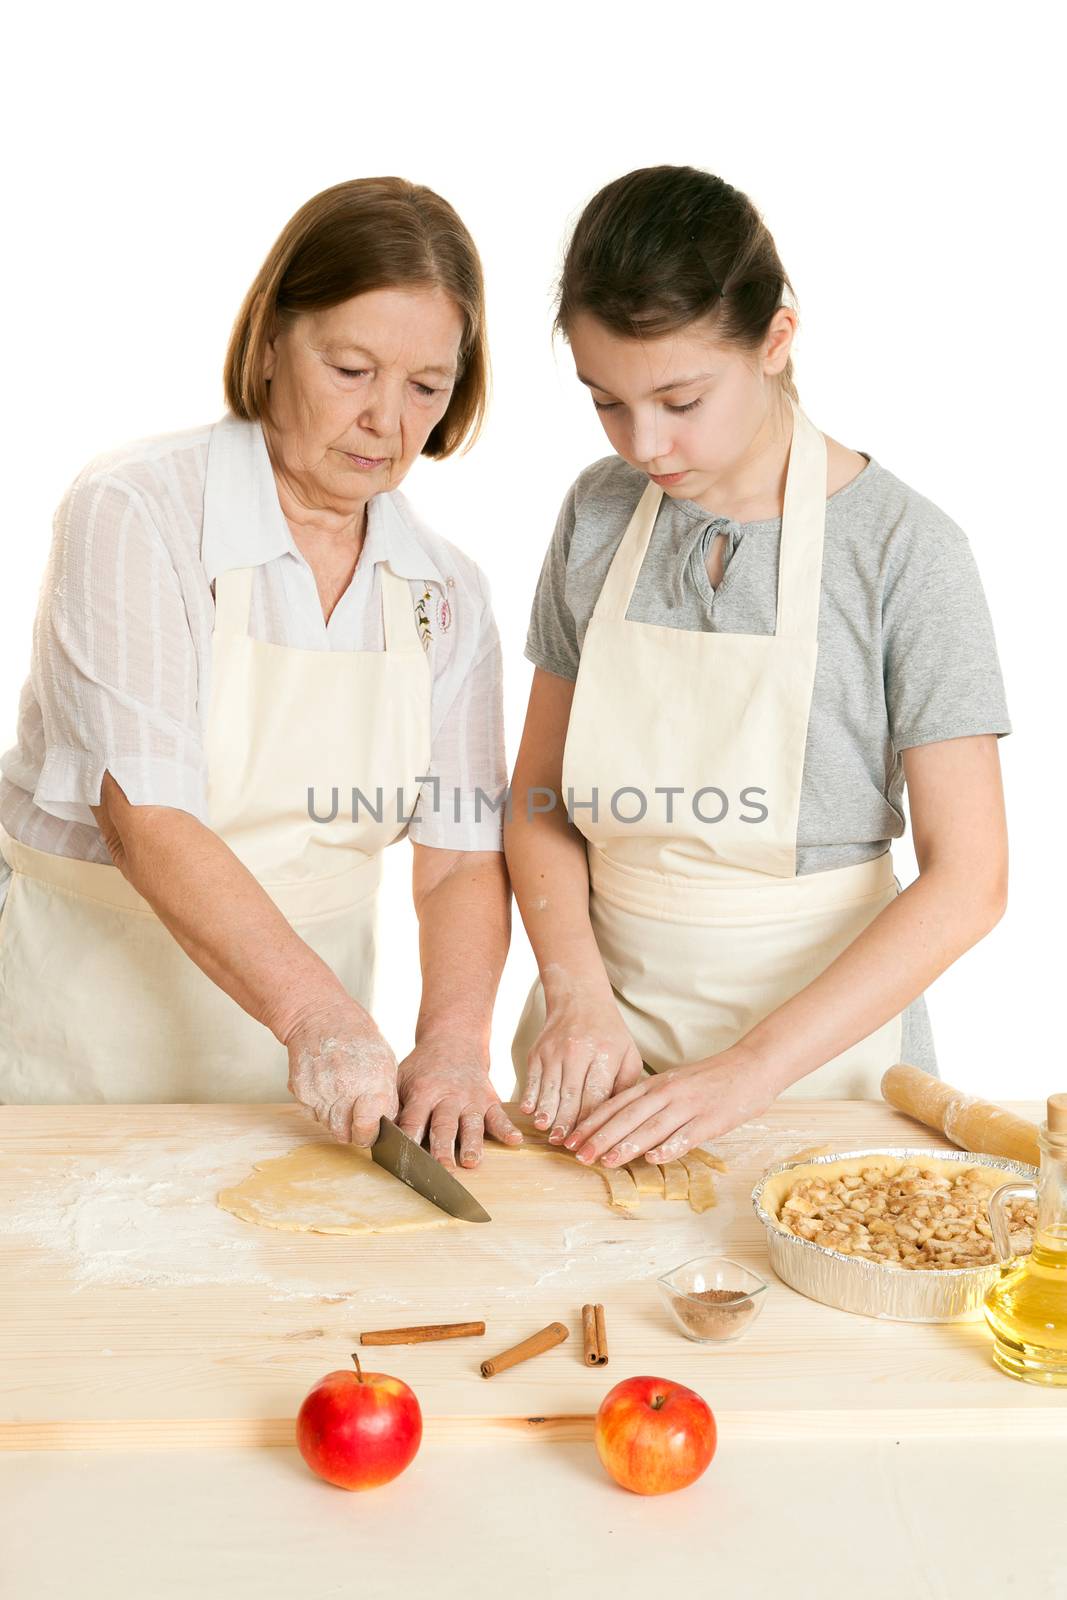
(355, 392)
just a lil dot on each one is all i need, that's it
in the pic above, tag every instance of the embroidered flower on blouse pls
(443, 613)
(425, 632)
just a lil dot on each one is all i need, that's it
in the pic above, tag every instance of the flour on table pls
(147, 1216)
(658, 1238)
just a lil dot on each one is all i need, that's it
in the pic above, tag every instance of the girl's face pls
(684, 409)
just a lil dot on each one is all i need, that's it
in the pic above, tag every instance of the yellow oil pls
(1027, 1311)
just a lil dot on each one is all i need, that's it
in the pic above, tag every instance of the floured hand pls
(343, 1070)
(444, 1087)
(582, 1056)
(669, 1114)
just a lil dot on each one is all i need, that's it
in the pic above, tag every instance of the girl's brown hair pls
(664, 247)
(368, 233)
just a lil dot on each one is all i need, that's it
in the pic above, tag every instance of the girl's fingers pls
(548, 1098)
(679, 1144)
(641, 1139)
(570, 1096)
(617, 1133)
(596, 1119)
(630, 1072)
(586, 1084)
(533, 1084)
(599, 1083)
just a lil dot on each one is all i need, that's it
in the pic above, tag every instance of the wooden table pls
(870, 1519)
(852, 1453)
(124, 1364)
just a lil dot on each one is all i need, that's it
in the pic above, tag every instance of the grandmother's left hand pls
(444, 1086)
(665, 1116)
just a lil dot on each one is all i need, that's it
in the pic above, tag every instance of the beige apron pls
(98, 1002)
(702, 922)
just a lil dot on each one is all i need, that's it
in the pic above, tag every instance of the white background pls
(901, 155)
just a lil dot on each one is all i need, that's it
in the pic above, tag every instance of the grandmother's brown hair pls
(367, 233)
(665, 247)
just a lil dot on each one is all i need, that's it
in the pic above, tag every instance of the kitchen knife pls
(414, 1166)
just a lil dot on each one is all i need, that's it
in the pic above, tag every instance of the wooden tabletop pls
(140, 1316)
(874, 1519)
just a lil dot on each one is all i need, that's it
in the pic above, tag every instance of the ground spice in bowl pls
(720, 1314)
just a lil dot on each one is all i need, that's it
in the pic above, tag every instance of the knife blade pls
(414, 1166)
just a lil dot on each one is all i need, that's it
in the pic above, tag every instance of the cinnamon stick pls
(535, 1345)
(601, 1337)
(594, 1337)
(589, 1355)
(425, 1334)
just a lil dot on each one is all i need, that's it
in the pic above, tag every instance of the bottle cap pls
(1057, 1114)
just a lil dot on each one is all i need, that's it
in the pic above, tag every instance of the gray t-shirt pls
(906, 648)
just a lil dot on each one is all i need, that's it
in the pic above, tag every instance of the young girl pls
(747, 639)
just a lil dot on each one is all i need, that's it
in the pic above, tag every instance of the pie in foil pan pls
(871, 1288)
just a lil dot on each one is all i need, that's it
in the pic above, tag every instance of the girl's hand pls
(582, 1055)
(667, 1115)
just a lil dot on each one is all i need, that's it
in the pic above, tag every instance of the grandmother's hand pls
(343, 1070)
(445, 1088)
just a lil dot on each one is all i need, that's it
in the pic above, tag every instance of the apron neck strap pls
(399, 622)
(800, 546)
(614, 600)
(803, 521)
(233, 600)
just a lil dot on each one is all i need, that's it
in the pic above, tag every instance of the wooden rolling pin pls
(976, 1125)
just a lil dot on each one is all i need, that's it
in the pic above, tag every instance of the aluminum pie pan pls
(867, 1288)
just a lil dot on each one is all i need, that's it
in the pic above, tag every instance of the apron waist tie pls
(734, 894)
(299, 900)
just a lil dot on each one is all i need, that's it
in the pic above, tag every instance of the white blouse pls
(120, 674)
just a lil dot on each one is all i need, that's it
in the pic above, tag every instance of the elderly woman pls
(254, 667)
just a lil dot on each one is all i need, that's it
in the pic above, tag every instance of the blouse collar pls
(244, 525)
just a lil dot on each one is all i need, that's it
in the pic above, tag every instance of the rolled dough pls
(675, 1181)
(700, 1154)
(622, 1190)
(647, 1177)
(701, 1182)
(329, 1188)
(691, 1178)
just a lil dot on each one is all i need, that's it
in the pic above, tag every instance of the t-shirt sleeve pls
(114, 664)
(942, 672)
(552, 638)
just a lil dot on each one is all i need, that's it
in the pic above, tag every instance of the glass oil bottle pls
(1027, 1307)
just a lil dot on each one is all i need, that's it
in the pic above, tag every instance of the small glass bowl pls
(696, 1295)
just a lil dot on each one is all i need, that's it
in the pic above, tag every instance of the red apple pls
(359, 1429)
(654, 1436)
